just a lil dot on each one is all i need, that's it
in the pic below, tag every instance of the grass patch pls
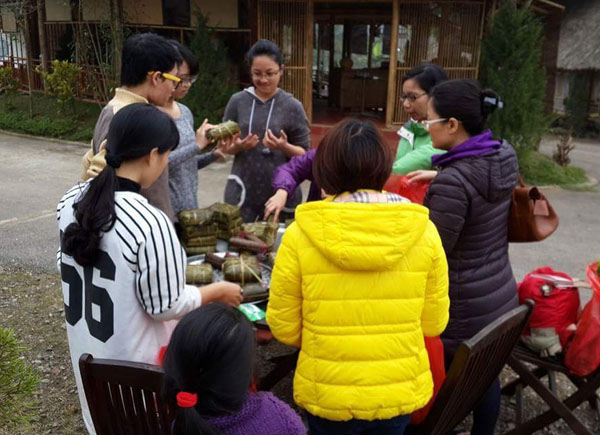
(541, 170)
(49, 119)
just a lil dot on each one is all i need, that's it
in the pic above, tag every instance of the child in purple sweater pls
(208, 370)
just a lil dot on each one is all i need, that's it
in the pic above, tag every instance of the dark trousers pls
(485, 414)
(392, 426)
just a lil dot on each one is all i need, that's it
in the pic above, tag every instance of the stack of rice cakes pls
(199, 231)
(227, 218)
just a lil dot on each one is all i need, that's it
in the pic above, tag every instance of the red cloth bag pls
(414, 191)
(555, 309)
(583, 355)
(435, 351)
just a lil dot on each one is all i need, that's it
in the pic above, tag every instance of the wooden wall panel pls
(444, 32)
(289, 23)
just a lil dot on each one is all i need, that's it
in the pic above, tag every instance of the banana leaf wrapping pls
(240, 244)
(243, 269)
(224, 213)
(199, 274)
(198, 217)
(228, 234)
(265, 231)
(190, 232)
(255, 292)
(201, 241)
(197, 250)
(223, 131)
(215, 260)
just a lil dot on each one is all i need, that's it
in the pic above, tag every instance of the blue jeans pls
(392, 426)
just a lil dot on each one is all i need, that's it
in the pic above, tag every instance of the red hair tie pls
(186, 400)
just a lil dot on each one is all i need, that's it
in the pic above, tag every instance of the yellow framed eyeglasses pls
(168, 76)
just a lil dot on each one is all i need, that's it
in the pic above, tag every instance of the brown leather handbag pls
(531, 217)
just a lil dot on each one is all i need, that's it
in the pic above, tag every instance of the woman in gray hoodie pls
(274, 128)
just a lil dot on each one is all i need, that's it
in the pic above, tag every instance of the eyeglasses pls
(170, 77)
(427, 123)
(188, 81)
(269, 74)
(411, 98)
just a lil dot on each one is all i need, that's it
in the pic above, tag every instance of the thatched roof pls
(579, 46)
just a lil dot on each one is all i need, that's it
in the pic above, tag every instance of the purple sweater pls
(289, 175)
(263, 413)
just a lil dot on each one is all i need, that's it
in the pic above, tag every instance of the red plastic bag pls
(435, 351)
(556, 308)
(414, 191)
(583, 355)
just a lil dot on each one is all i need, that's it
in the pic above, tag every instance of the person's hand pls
(275, 204)
(245, 144)
(201, 139)
(423, 176)
(273, 142)
(222, 291)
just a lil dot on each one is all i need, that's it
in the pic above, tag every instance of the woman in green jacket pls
(415, 149)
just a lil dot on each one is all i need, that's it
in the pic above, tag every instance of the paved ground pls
(35, 173)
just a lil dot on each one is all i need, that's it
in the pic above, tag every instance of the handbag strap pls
(521, 181)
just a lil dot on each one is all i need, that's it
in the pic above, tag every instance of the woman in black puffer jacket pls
(469, 202)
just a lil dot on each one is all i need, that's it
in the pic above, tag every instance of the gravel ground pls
(31, 304)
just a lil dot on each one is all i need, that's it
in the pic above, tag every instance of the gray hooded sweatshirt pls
(249, 184)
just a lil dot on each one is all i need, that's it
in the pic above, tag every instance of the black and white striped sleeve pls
(161, 261)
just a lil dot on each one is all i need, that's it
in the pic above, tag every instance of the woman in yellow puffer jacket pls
(360, 278)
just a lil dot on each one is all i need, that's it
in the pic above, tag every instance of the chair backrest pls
(477, 363)
(124, 397)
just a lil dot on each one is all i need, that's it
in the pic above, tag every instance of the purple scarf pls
(474, 146)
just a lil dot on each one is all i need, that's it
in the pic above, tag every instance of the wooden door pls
(289, 23)
(443, 32)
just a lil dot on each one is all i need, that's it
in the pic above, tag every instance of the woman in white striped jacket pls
(122, 266)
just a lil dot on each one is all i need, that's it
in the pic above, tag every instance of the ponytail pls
(465, 101)
(94, 214)
(188, 421)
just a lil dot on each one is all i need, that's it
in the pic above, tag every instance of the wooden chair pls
(477, 363)
(585, 391)
(124, 397)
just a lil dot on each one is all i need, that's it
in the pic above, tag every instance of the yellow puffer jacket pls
(357, 286)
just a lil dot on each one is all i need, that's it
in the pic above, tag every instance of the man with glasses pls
(148, 75)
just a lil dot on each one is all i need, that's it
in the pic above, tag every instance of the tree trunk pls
(27, 9)
(41, 13)
(116, 27)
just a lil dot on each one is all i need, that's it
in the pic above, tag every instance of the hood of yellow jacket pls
(359, 236)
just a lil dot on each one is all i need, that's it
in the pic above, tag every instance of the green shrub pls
(511, 54)
(42, 126)
(576, 104)
(210, 93)
(17, 382)
(7, 81)
(541, 170)
(63, 80)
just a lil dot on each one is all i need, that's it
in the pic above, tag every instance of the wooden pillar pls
(28, 8)
(41, 13)
(391, 95)
(116, 28)
(370, 48)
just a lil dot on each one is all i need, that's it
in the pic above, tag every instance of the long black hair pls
(465, 101)
(426, 75)
(134, 131)
(210, 354)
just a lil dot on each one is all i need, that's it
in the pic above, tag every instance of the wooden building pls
(342, 56)
(579, 53)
